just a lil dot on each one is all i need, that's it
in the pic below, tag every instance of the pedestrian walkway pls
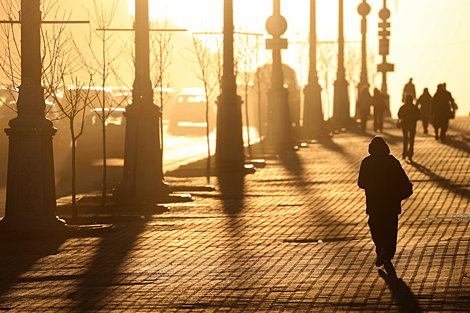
(292, 237)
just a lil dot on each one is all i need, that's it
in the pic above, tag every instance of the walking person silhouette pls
(380, 106)
(386, 185)
(408, 114)
(441, 112)
(409, 89)
(424, 105)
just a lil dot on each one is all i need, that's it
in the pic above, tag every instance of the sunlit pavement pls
(292, 237)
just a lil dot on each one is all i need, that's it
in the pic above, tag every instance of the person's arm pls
(400, 113)
(361, 181)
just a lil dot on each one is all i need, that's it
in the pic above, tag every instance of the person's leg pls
(412, 133)
(376, 121)
(444, 130)
(363, 122)
(405, 141)
(390, 227)
(381, 122)
(425, 125)
(377, 232)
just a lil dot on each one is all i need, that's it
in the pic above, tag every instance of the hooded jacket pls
(384, 180)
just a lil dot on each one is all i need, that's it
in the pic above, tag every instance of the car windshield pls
(114, 119)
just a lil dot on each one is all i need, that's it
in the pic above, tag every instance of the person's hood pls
(378, 147)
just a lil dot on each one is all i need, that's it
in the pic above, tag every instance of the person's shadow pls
(401, 294)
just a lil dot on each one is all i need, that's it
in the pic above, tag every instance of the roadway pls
(178, 150)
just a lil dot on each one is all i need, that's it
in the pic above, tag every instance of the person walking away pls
(424, 105)
(408, 114)
(365, 101)
(379, 108)
(409, 89)
(453, 105)
(441, 112)
(386, 185)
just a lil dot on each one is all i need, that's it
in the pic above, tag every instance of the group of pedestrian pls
(379, 104)
(437, 109)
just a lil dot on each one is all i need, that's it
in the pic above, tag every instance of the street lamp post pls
(341, 115)
(279, 135)
(30, 199)
(143, 170)
(384, 50)
(363, 9)
(313, 121)
(230, 154)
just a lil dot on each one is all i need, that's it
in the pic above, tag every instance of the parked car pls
(122, 95)
(187, 113)
(94, 96)
(8, 111)
(90, 144)
(7, 95)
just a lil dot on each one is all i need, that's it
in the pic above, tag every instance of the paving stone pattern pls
(292, 237)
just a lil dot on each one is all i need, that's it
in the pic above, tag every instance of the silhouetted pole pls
(341, 115)
(230, 154)
(30, 199)
(143, 169)
(279, 135)
(363, 9)
(313, 120)
(384, 50)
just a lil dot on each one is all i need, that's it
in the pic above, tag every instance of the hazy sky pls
(430, 39)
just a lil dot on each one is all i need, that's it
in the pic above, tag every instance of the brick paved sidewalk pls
(292, 237)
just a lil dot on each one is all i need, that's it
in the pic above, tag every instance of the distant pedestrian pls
(408, 114)
(380, 105)
(424, 105)
(441, 112)
(365, 101)
(386, 185)
(409, 89)
(453, 105)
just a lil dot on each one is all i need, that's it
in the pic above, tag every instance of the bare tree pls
(209, 76)
(54, 54)
(303, 55)
(246, 57)
(10, 58)
(352, 66)
(74, 106)
(104, 64)
(326, 71)
(162, 57)
(262, 82)
(372, 66)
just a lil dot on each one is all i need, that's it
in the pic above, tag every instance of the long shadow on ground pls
(18, 256)
(442, 181)
(402, 294)
(105, 271)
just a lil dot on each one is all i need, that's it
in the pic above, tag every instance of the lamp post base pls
(313, 120)
(30, 201)
(230, 154)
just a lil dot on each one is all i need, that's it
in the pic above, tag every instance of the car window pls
(114, 119)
